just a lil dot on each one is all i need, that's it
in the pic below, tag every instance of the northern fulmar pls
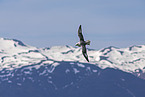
(83, 43)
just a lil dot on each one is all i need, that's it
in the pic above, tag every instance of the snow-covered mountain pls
(62, 71)
(15, 54)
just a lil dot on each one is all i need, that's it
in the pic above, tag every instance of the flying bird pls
(83, 43)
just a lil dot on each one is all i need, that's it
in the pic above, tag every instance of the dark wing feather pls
(84, 51)
(80, 34)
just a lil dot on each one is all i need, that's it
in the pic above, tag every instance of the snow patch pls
(67, 71)
(55, 64)
(76, 71)
(94, 71)
(16, 54)
(80, 65)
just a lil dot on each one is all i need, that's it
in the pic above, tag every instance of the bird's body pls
(83, 43)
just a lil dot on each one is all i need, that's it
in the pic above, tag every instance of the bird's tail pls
(88, 42)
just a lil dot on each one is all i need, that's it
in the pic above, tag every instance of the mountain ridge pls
(61, 71)
(127, 59)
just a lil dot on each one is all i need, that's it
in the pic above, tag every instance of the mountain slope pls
(62, 71)
(15, 54)
(69, 80)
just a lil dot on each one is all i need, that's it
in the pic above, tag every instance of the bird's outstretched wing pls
(84, 51)
(80, 34)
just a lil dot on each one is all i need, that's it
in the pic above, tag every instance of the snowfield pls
(15, 54)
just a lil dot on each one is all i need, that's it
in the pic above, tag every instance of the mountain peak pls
(15, 54)
(10, 43)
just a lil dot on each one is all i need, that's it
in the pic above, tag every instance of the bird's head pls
(78, 44)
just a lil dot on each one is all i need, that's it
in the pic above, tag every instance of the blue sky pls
(46, 23)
